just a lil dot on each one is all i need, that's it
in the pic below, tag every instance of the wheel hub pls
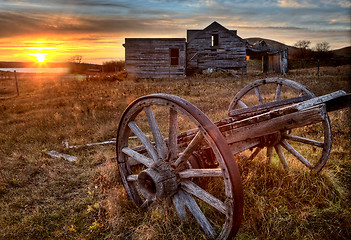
(270, 140)
(158, 181)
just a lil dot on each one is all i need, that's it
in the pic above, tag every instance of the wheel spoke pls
(137, 156)
(254, 154)
(279, 151)
(195, 210)
(288, 147)
(180, 206)
(146, 203)
(242, 104)
(208, 172)
(132, 178)
(269, 154)
(304, 140)
(258, 94)
(160, 143)
(143, 139)
(190, 148)
(173, 133)
(200, 193)
(278, 92)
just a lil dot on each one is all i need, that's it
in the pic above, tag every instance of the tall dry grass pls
(45, 198)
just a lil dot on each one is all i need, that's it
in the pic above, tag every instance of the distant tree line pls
(305, 56)
(113, 66)
(76, 65)
(320, 50)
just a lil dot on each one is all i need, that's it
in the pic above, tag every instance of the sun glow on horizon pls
(40, 57)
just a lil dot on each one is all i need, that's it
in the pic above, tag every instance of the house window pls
(174, 55)
(214, 40)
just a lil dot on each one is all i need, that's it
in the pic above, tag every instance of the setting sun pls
(40, 57)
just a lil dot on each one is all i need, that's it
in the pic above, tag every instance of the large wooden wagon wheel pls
(153, 161)
(314, 140)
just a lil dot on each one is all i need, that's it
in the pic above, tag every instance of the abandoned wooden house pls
(214, 47)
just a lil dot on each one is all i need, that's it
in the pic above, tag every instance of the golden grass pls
(42, 197)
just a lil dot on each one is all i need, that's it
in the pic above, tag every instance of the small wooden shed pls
(155, 57)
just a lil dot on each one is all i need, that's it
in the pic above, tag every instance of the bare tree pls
(75, 59)
(303, 45)
(322, 47)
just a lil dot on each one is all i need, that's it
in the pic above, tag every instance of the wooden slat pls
(284, 122)
(339, 103)
(257, 109)
(320, 100)
(208, 172)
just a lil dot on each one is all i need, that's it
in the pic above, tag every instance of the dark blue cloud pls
(22, 17)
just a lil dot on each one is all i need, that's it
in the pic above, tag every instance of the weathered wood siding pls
(229, 53)
(151, 57)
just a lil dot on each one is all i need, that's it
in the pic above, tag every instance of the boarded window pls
(214, 40)
(174, 54)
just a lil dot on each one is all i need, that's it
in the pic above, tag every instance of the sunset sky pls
(58, 29)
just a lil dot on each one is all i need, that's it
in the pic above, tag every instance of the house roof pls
(214, 25)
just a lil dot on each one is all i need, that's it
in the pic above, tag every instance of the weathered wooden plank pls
(238, 147)
(319, 100)
(208, 172)
(269, 126)
(339, 103)
(67, 157)
(258, 109)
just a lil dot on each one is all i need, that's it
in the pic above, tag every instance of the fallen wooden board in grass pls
(67, 157)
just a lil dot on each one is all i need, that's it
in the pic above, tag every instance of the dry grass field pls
(49, 198)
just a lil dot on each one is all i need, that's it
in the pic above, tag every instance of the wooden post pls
(16, 83)
(318, 67)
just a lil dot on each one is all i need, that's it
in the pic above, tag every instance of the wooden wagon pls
(169, 152)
